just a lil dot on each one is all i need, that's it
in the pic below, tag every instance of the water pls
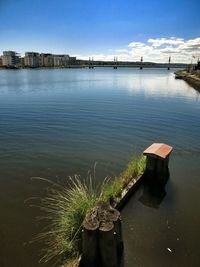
(54, 123)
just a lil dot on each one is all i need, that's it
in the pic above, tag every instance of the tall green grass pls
(66, 209)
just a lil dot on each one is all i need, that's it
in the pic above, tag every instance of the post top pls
(158, 150)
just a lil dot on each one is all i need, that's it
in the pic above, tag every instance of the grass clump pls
(66, 209)
(112, 189)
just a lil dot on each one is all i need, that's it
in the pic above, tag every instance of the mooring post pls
(102, 241)
(157, 161)
(108, 245)
(90, 247)
(119, 237)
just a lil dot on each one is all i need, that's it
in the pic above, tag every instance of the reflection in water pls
(153, 194)
(161, 86)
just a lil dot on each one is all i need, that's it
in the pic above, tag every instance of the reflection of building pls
(32, 59)
(10, 59)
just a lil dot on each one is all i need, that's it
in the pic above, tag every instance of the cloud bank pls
(156, 50)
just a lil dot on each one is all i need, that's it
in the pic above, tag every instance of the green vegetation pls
(134, 169)
(66, 209)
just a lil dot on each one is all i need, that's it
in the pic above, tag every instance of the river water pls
(55, 123)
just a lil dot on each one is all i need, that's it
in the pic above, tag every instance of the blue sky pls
(99, 28)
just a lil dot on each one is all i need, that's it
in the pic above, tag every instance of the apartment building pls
(61, 60)
(46, 60)
(10, 59)
(32, 59)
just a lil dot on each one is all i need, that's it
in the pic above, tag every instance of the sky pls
(128, 29)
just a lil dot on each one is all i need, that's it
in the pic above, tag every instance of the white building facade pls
(10, 59)
(32, 59)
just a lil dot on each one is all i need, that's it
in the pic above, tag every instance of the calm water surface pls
(54, 123)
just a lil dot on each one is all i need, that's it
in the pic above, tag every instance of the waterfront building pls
(61, 60)
(32, 59)
(72, 60)
(22, 62)
(46, 60)
(10, 59)
(1, 62)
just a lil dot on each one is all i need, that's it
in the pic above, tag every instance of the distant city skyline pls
(103, 30)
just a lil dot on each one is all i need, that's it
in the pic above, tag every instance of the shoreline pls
(95, 66)
(192, 78)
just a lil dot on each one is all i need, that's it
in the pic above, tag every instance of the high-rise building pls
(32, 60)
(10, 59)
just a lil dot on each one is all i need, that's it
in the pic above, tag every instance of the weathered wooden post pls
(157, 161)
(119, 237)
(108, 245)
(90, 246)
(102, 242)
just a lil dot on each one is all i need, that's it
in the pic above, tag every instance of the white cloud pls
(192, 45)
(169, 50)
(155, 50)
(163, 41)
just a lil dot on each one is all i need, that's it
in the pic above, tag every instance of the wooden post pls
(90, 239)
(157, 162)
(119, 238)
(151, 165)
(102, 241)
(108, 245)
